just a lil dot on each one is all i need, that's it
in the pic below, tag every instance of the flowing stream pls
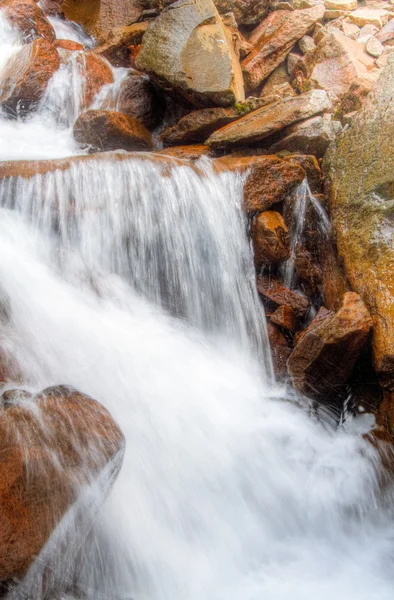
(134, 283)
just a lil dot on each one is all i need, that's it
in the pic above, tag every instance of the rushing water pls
(135, 284)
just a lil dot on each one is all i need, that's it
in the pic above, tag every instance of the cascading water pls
(133, 281)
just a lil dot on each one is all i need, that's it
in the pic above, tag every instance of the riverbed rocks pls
(246, 12)
(310, 136)
(326, 352)
(28, 18)
(103, 130)
(96, 73)
(140, 99)
(276, 294)
(187, 50)
(123, 44)
(25, 77)
(270, 237)
(51, 445)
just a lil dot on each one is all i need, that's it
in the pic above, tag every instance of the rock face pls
(29, 19)
(270, 119)
(187, 49)
(361, 168)
(274, 38)
(103, 130)
(270, 236)
(269, 179)
(50, 446)
(277, 294)
(26, 76)
(326, 352)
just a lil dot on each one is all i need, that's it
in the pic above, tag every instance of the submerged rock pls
(188, 50)
(28, 18)
(51, 445)
(326, 352)
(104, 130)
(26, 75)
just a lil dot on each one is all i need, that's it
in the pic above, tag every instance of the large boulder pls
(95, 72)
(269, 179)
(326, 352)
(188, 50)
(274, 38)
(270, 119)
(26, 75)
(28, 18)
(312, 136)
(360, 168)
(122, 44)
(51, 446)
(103, 130)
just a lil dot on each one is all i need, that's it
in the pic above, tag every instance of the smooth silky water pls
(135, 284)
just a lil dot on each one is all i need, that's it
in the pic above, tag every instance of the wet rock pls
(280, 350)
(99, 17)
(103, 130)
(68, 45)
(279, 295)
(29, 19)
(192, 152)
(308, 270)
(274, 38)
(140, 99)
(338, 62)
(312, 169)
(123, 44)
(368, 16)
(285, 318)
(266, 121)
(246, 12)
(25, 77)
(269, 179)
(177, 51)
(96, 72)
(312, 136)
(360, 167)
(50, 447)
(198, 125)
(270, 237)
(340, 4)
(326, 352)
(276, 81)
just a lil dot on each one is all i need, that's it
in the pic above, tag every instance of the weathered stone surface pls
(386, 34)
(275, 82)
(338, 62)
(361, 168)
(326, 352)
(246, 12)
(192, 152)
(68, 45)
(140, 99)
(312, 136)
(99, 17)
(29, 19)
(307, 44)
(121, 45)
(187, 49)
(340, 4)
(96, 73)
(285, 318)
(270, 237)
(104, 130)
(274, 38)
(374, 47)
(365, 16)
(198, 125)
(269, 179)
(266, 121)
(26, 75)
(279, 295)
(241, 47)
(47, 455)
(280, 350)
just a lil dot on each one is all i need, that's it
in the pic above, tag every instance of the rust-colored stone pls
(280, 350)
(97, 72)
(104, 130)
(279, 295)
(50, 446)
(192, 152)
(284, 317)
(29, 19)
(68, 45)
(119, 47)
(326, 352)
(140, 99)
(198, 125)
(270, 236)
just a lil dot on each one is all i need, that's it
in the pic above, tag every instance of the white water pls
(137, 288)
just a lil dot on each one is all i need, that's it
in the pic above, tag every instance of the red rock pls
(29, 19)
(280, 350)
(308, 269)
(26, 76)
(270, 236)
(284, 317)
(279, 295)
(103, 130)
(68, 45)
(97, 72)
(324, 357)
(192, 152)
(120, 46)
(47, 454)
(246, 12)
(274, 38)
(269, 179)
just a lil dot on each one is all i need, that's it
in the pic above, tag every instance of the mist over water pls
(135, 284)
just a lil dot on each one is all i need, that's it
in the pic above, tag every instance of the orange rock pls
(192, 152)
(68, 45)
(120, 46)
(326, 352)
(274, 38)
(270, 236)
(26, 76)
(97, 72)
(103, 130)
(284, 317)
(29, 19)
(198, 125)
(279, 295)
(280, 350)
(269, 179)
(47, 455)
